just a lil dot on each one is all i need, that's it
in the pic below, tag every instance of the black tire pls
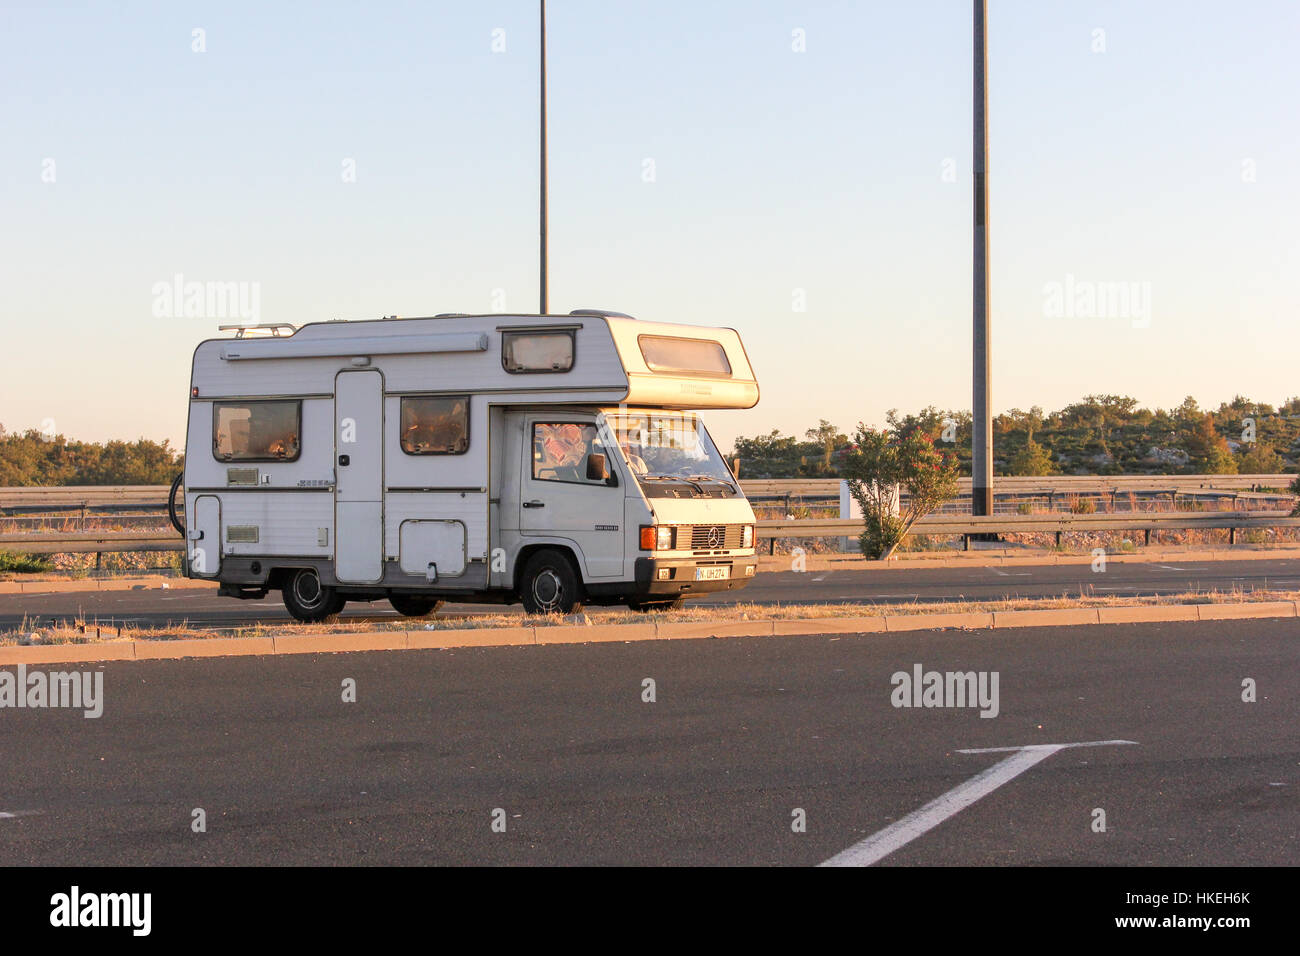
(310, 601)
(550, 585)
(671, 604)
(414, 605)
(171, 505)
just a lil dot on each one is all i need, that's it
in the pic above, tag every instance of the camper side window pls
(537, 351)
(435, 426)
(256, 431)
(560, 451)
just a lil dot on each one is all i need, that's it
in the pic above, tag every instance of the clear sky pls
(1160, 155)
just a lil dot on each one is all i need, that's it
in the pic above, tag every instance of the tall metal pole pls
(543, 308)
(982, 425)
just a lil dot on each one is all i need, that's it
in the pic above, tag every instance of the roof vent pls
(603, 313)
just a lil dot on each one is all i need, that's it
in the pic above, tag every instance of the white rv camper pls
(538, 458)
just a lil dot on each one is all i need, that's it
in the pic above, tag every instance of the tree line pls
(31, 458)
(1098, 435)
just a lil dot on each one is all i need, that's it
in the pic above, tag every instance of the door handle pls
(534, 504)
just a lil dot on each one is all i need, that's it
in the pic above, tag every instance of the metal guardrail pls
(969, 525)
(821, 491)
(136, 497)
(1058, 484)
(91, 542)
(73, 497)
(964, 525)
(83, 498)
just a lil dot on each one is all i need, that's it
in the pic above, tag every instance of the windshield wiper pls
(721, 481)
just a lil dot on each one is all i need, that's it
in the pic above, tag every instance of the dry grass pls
(83, 632)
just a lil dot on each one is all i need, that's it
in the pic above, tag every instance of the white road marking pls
(822, 578)
(1170, 567)
(1052, 747)
(1011, 574)
(898, 834)
(4, 815)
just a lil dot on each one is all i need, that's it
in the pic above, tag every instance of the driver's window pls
(560, 451)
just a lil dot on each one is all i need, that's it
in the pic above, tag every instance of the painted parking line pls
(898, 834)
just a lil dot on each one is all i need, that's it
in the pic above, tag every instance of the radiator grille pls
(709, 537)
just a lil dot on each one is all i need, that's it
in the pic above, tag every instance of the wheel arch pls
(564, 548)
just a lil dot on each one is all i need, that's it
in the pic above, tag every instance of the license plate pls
(719, 572)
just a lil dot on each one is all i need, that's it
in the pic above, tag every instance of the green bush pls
(24, 563)
(885, 462)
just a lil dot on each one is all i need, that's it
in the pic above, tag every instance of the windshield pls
(666, 446)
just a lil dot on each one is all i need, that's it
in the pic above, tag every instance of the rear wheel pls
(310, 601)
(413, 605)
(550, 585)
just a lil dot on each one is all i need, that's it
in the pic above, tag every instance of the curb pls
(102, 584)
(308, 643)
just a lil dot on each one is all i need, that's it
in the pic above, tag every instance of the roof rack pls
(603, 313)
(271, 328)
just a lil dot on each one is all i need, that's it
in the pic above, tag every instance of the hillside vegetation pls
(33, 459)
(1099, 435)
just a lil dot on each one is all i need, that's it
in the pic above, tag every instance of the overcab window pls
(664, 353)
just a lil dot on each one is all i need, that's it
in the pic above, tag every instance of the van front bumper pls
(681, 576)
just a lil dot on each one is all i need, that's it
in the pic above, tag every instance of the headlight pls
(747, 536)
(656, 537)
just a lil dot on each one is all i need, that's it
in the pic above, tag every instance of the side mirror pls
(597, 468)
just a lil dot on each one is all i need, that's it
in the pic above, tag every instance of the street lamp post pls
(982, 423)
(543, 307)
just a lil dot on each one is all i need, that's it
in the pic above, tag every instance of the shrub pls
(24, 563)
(885, 462)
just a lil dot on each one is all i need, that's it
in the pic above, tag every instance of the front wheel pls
(550, 585)
(413, 605)
(310, 601)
